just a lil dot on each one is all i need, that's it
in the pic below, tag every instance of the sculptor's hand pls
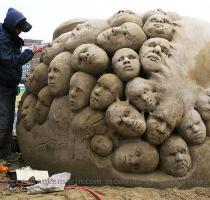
(37, 49)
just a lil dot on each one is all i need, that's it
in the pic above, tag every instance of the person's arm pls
(8, 57)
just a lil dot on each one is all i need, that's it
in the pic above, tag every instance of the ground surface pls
(106, 193)
(110, 193)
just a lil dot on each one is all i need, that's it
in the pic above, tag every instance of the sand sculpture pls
(122, 101)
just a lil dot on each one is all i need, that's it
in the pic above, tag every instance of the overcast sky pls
(46, 15)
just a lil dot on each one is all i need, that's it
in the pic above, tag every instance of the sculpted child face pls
(159, 25)
(80, 88)
(101, 145)
(85, 33)
(128, 35)
(43, 105)
(107, 89)
(175, 158)
(158, 129)
(192, 128)
(90, 58)
(141, 94)
(162, 121)
(54, 48)
(27, 114)
(126, 64)
(125, 119)
(59, 74)
(203, 104)
(152, 12)
(153, 54)
(136, 157)
(123, 16)
(37, 78)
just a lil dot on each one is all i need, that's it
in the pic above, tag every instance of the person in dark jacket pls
(11, 61)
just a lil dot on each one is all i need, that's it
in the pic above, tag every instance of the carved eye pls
(183, 151)
(120, 11)
(77, 29)
(165, 51)
(153, 20)
(198, 122)
(152, 45)
(124, 33)
(172, 154)
(106, 88)
(165, 21)
(136, 98)
(131, 56)
(55, 70)
(121, 58)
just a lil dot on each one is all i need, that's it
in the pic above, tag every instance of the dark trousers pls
(7, 112)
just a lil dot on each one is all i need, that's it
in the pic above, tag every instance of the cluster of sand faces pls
(123, 68)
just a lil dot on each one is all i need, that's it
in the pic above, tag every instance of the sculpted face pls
(108, 87)
(175, 158)
(152, 12)
(27, 114)
(85, 33)
(123, 16)
(153, 54)
(159, 25)
(80, 88)
(128, 35)
(37, 78)
(136, 157)
(59, 74)
(141, 94)
(125, 119)
(43, 105)
(101, 145)
(203, 104)
(158, 129)
(192, 127)
(126, 64)
(54, 48)
(162, 121)
(90, 58)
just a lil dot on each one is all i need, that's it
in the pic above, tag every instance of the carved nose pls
(179, 156)
(195, 128)
(97, 91)
(162, 128)
(160, 20)
(126, 61)
(50, 75)
(50, 44)
(84, 55)
(157, 50)
(72, 92)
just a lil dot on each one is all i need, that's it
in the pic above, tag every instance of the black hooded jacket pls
(11, 58)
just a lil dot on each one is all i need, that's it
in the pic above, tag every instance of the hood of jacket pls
(12, 18)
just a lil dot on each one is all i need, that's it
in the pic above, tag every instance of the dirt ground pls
(109, 193)
(106, 193)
